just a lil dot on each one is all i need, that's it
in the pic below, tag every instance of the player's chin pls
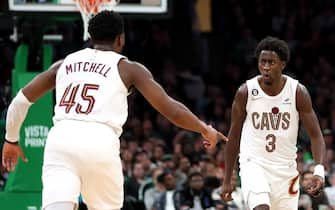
(268, 81)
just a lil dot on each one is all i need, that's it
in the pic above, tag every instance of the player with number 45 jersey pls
(82, 152)
(89, 88)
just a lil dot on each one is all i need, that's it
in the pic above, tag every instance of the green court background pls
(23, 188)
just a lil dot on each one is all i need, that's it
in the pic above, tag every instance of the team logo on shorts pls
(254, 92)
(294, 189)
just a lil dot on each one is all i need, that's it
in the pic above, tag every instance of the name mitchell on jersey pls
(98, 68)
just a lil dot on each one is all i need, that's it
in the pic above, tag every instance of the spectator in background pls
(164, 129)
(329, 138)
(329, 161)
(195, 196)
(330, 190)
(305, 202)
(147, 129)
(237, 203)
(148, 146)
(213, 176)
(127, 162)
(185, 144)
(143, 158)
(158, 153)
(155, 190)
(133, 146)
(183, 168)
(170, 198)
(203, 162)
(133, 183)
(168, 162)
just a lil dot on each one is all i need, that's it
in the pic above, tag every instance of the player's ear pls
(123, 38)
(283, 65)
(120, 41)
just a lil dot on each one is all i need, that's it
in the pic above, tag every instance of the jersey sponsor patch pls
(254, 92)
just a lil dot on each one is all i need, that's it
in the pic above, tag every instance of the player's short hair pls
(105, 26)
(276, 45)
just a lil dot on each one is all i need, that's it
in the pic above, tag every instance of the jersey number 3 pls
(270, 143)
(69, 96)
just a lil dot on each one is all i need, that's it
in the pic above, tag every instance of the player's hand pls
(315, 187)
(226, 191)
(211, 136)
(10, 155)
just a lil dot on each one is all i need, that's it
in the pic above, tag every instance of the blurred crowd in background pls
(167, 167)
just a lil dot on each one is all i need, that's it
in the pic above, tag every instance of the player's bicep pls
(303, 100)
(238, 112)
(306, 112)
(42, 83)
(304, 104)
(155, 95)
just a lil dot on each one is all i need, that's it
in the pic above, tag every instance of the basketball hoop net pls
(89, 8)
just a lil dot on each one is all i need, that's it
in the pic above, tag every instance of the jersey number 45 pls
(69, 96)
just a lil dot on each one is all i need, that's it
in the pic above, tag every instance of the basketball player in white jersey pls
(82, 149)
(264, 128)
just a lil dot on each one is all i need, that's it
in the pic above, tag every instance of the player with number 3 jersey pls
(263, 131)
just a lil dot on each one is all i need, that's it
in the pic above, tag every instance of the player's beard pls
(268, 81)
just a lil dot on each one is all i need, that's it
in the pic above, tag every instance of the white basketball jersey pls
(269, 133)
(89, 88)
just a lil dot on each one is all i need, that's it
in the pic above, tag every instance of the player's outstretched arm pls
(42, 83)
(311, 124)
(238, 115)
(135, 74)
(17, 112)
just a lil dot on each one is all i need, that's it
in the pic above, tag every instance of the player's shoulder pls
(127, 62)
(302, 90)
(247, 85)
(243, 88)
(55, 66)
(133, 72)
(303, 98)
(131, 66)
(242, 93)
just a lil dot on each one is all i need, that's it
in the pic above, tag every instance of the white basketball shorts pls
(83, 157)
(279, 183)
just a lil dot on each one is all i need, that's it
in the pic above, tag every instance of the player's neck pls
(275, 88)
(102, 47)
